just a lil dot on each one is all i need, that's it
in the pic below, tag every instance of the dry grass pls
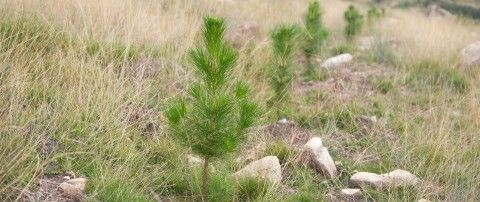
(92, 113)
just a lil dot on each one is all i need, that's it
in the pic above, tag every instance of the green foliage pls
(315, 36)
(354, 22)
(281, 72)
(250, 189)
(214, 121)
(431, 75)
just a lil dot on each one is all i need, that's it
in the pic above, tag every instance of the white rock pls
(314, 143)
(266, 168)
(337, 60)
(396, 178)
(399, 177)
(471, 54)
(368, 179)
(73, 188)
(319, 158)
(78, 182)
(351, 194)
(193, 161)
(282, 121)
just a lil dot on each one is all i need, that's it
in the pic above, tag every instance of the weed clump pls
(281, 150)
(250, 189)
(214, 120)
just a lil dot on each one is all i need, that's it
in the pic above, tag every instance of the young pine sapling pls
(354, 22)
(281, 72)
(214, 121)
(315, 36)
(373, 14)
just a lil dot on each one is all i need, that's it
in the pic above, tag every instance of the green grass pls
(429, 75)
(382, 85)
(32, 34)
(250, 189)
(67, 91)
(281, 150)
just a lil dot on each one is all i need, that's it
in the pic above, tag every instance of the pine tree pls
(354, 22)
(374, 13)
(281, 73)
(315, 36)
(214, 121)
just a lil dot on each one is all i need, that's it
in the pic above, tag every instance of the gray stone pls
(396, 178)
(351, 195)
(318, 157)
(195, 161)
(368, 179)
(282, 121)
(337, 60)
(73, 188)
(471, 54)
(267, 168)
(399, 178)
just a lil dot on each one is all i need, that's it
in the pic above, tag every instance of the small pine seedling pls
(374, 13)
(281, 73)
(214, 121)
(315, 36)
(354, 22)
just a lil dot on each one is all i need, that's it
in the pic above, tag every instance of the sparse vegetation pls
(430, 76)
(89, 94)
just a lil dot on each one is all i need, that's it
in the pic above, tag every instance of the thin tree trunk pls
(205, 180)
